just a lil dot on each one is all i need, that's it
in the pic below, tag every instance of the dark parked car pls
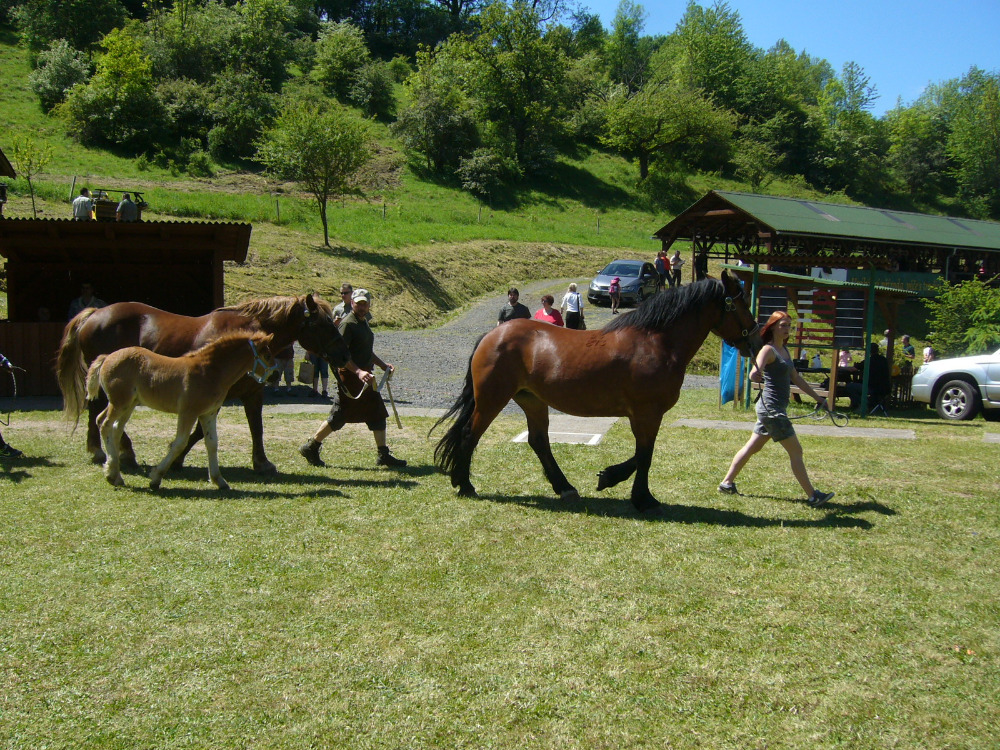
(638, 280)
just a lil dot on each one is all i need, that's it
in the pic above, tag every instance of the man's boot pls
(385, 458)
(310, 452)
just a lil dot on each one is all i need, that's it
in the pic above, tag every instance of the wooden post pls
(277, 210)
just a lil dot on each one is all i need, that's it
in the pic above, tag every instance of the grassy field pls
(358, 607)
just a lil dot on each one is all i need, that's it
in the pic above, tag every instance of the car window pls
(621, 268)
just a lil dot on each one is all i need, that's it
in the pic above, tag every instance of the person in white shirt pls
(572, 308)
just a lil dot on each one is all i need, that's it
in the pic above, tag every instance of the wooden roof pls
(6, 170)
(58, 240)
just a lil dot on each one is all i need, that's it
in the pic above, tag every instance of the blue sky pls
(901, 46)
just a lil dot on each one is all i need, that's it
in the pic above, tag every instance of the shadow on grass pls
(414, 274)
(672, 513)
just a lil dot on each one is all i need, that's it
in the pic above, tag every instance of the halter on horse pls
(632, 367)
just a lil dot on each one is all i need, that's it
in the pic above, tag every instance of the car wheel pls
(957, 400)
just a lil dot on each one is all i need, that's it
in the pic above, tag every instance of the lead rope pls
(13, 381)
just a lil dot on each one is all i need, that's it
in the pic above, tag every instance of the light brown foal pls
(192, 386)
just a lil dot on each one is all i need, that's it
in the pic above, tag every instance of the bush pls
(485, 173)
(60, 68)
(965, 319)
(242, 109)
(340, 53)
(187, 106)
(371, 90)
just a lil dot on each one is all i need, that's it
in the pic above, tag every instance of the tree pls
(340, 53)
(82, 23)
(261, 44)
(242, 107)
(918, 156)
(964, 318)
(625, 55)
(514, 76)
(323, 148)
(437, 122)
(118, 106)
(60, 68)
(663, 118)
(28, 159)
(974, 142)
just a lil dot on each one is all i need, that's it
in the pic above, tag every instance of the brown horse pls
(305, 318)
(632, 367)
(192, 386)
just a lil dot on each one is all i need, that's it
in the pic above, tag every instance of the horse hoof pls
(570, 495)
(602, 481)
(128, 463)
(467, 491)
(154, 484)
(223, 486)
(649, 506)
(116, 481)
(98, 458)
(265, 467)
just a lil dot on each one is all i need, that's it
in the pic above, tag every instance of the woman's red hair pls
(766, 333)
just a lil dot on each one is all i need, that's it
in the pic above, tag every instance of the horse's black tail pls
(449, 452)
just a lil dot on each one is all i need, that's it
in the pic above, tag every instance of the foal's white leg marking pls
(208, 426)
(112, 469)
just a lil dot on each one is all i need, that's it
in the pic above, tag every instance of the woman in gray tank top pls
(774, 366)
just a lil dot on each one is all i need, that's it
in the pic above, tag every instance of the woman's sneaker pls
(10, 452)
(820, 498)
(728, 489)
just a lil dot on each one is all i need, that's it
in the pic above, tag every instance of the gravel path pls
(431, 365)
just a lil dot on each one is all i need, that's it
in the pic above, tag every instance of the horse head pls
(319, 334)
(263, 356)
(736, 325)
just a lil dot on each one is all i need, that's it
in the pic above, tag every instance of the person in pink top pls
(548, 313)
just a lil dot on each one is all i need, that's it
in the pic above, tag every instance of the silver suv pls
(961, 387)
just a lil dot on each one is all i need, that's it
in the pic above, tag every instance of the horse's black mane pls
(663, 309)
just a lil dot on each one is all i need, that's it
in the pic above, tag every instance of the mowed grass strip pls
(355, 606)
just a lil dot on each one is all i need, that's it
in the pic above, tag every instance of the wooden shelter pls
(792, 233)
(6, 170)
(176, 266)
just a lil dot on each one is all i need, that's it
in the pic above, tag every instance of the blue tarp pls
(731, 364)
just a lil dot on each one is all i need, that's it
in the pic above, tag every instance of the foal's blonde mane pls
(226, 338)
(277, 310)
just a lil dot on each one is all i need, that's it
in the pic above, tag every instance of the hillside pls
(424, 248)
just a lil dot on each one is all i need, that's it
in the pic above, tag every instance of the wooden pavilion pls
(880, 246)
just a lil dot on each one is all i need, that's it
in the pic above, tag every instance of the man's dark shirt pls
(360, 340)
(879, 379)
(509, 312)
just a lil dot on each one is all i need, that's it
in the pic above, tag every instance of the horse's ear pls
(311, 306)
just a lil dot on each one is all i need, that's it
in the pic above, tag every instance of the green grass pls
(351, 606)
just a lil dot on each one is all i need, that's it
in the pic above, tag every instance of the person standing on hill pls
(83, 206)
(127, 210)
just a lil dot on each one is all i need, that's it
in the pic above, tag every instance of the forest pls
(487, 95)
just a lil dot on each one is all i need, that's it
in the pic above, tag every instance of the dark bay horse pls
(305, 318)
(192, 386)
(633, 367)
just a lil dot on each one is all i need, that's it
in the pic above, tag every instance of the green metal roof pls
(795, 216)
